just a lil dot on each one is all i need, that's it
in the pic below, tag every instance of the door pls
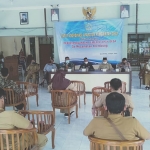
(45, 51)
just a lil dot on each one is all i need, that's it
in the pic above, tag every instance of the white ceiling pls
(17, 4)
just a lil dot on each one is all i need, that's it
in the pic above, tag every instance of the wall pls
(10, 45)
(10, 26)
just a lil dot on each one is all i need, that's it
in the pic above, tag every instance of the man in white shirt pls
(54, 16)
(124, 13)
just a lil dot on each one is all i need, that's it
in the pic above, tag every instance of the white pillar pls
(37, 50)
(27, 45)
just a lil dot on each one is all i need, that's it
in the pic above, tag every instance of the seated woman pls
(48, 67)
(59, 82)
(145, 74)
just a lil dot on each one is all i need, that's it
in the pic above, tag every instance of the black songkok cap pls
(104, 58)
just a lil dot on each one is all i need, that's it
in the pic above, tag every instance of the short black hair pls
(104, 58)
(123, 59)
(115, 83)
(66, 57)
(4, 72)
(85, 58)
(115, 102)
(2, 92)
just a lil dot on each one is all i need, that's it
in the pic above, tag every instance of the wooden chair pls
(123, 89)
(64, 99)
(30, 89)
(96, 92)
(80, 90)
(18, 139)
(14, 99)
(43, 121)
(99, 144)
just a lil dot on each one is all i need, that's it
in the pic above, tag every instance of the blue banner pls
(93, 39)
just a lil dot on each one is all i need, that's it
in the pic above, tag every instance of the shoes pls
(66, 115)
(147, 88)
(42, 84)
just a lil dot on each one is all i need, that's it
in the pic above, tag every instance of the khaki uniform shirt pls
(101, 101)
(33, 68)
(105, 66)
(128, 126)
(11, 120)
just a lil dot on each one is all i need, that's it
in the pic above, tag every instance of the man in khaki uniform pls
(129, 127)
(115, 85)
(11, 120)
(105, 65)
(32, 69)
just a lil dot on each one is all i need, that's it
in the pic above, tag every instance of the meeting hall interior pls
(74, 75)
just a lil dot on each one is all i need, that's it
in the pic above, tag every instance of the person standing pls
(32, 69)
(105, 65)
(87, 64)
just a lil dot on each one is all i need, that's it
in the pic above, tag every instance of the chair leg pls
(79, 101)
(28, 103)
(76, 110)
(37, 98)
(54, 114)
(84, 98)
(69, 116)
(53, 138)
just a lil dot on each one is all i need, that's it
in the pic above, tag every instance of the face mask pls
(86, 62)
(105, 62)
(67, 61)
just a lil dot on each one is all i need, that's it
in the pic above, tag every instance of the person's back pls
(129, 127)
(13, 120)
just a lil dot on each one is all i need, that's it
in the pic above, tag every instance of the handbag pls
(116, 129)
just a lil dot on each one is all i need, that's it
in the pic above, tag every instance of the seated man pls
(67, 64)
(124, 65)
(86, 64)
(5, 83)
(115, 85)
(48, 68)
(32, 69)
(129, 127)
(12, 120)
(105, 65)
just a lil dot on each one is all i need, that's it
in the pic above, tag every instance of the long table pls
(97, 78)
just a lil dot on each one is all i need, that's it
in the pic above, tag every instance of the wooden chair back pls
(123, 88)
(14, 99)
(30, 89)
(96, 92)
(64, 99)
(99, 144)
(80, 89)
(19, 139)
(43, 121)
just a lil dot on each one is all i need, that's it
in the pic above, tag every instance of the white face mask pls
(105, 62)
(67, 61)
(86, 62)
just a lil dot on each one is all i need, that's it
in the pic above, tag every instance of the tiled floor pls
(70, 136)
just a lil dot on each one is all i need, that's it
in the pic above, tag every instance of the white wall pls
(10, 24)
(10, 45)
